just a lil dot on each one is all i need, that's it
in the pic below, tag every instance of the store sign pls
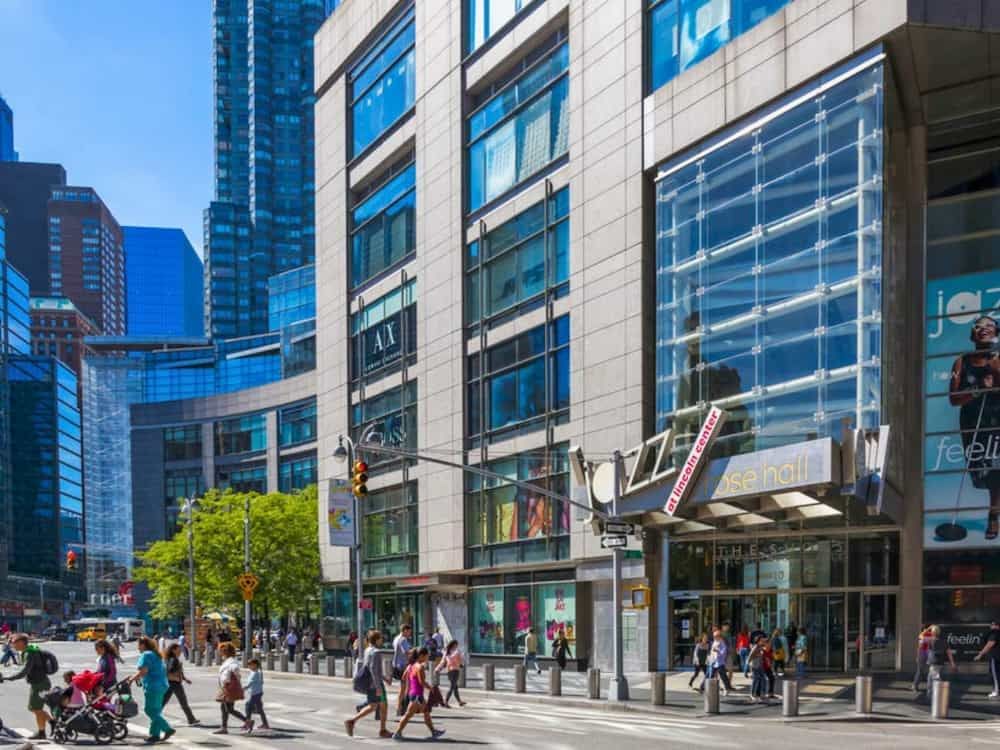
(340, 513)
(696, 460)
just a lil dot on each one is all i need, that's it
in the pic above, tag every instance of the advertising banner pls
(696, 460)
(340, 513)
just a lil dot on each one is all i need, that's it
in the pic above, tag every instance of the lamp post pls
(348, 454)
(247, 613)
(189, 509)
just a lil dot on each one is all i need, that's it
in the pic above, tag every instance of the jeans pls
(697, 669)
(720, 671)
(800, 668)
(744, 653)
(154, 710)
(533, 660)
(177, 688)
(453, 683)
(919, 674)
(228, 709)
(255, 704)
(757, 683)
(769, 673)
(291, 652)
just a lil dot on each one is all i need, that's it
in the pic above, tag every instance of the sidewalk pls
(822, 697)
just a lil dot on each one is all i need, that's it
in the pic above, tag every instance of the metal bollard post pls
(658, 697)
(790, 698)
(299, 661)
(712, 696)
(594, 683)
(489, 677)
(283, 661)
(462, 676)
(348, 667)
(387, 665)
(520, 675)
(555, 681)
(270, 661)
(199, 658)
(940, 699)
(314, 663)
(863, 694)
(331, 665)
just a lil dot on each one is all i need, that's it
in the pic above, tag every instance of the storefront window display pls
(500, 616)
(392, 609)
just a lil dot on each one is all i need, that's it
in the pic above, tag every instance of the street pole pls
(247, 625)
(619, 686)
(192, 644)
(357, 548)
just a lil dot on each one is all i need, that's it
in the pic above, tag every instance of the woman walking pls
(230, 689)
(801, 653)
(415, 680)
(560, 648)
(176, 679)
(107, 663)
(755, 662)
(154, 682)
(699, 658)
(779, 651)
(743, 648)
(377, 698)
(451, 663)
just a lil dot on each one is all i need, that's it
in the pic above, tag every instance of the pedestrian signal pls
(359, 481)
(71, 560)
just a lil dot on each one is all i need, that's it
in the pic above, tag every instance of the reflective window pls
(389, 543)
(382, 331)
(384, 224)
(393, 416)
(485, 17)
(520, 125)
(296, 473)
(182, 443)
(243, 478)
(297, 424)
(179, 485)
(383, 84)
(506, 524)
(769, 273)
(521, 382)
(241, 435)
(520, 260)
(680, 33)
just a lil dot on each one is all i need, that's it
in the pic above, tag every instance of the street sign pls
(610, 541)
(619, 527)
(366, 603)
(248, 584)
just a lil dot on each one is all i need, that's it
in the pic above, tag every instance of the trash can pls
(555, 681)
(940, 698)
(863, 694)
(658, 696)
(594, 683)
(790, 698)
(520, 675)
(712, 696)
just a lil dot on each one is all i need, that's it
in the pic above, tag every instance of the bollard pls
(712, 696)
(940, 699)
(299, 661)
(863, 694)
(790, 698)
(270, 661)
(199, 658)
(658, 696)
(520, 676)
(283, 661)
(348, 667)
(594, 683)
(555, 681)
(314, 663)
(387, 665)
(462, 676)
(489, 677)
(331, 665)
(211, 657)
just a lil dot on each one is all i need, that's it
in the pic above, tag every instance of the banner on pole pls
(696, 459)
(340, 513)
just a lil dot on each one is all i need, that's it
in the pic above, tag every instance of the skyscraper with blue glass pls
(165, 283)
(262, 219)
(7, 152)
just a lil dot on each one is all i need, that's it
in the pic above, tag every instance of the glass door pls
(878, 615)
(686, 629)
(855, 644)
(824, 623)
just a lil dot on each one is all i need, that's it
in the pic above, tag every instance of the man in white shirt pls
(401, 644)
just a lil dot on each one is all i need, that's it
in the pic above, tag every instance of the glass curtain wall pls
(384, 223)
(383, 84)
(182, 443)
(389, 532)
(393, 415)
(297, 424)
(296, 473)
(769, 255)
(520, 124)
(243, 478)
(241, 435)
(485, 17)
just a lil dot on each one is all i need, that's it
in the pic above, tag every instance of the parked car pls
(56, 633)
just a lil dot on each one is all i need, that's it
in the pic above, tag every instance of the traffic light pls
(71, 560)
(359, 480)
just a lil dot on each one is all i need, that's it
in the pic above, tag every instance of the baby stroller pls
(99, 717)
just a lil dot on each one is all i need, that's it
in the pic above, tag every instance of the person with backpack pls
(415, 682)
(36, 666)
(560, 648)
(154, 682)
(368, 679)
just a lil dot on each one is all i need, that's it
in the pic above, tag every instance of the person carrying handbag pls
(230, 688)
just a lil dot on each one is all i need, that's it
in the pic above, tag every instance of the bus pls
(96, 628)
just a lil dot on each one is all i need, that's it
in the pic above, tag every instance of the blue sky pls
(120, 93)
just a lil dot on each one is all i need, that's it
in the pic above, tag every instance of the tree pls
(284, 553)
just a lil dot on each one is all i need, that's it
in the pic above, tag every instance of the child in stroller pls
(83, 708)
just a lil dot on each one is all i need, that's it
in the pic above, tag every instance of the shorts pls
(374, 697)
(416, 698)
(36, 695)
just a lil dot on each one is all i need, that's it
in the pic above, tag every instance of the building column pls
(272, 451)
(208, 454)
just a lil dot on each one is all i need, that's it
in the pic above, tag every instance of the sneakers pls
(994, 694)
(248, 726)
(168, 734)
(397, 735)
(435, 733)
(223, 730)
(39, 735)
(195, 723)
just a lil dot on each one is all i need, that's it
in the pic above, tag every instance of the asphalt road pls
(308, 712)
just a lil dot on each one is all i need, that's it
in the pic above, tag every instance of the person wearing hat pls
(34, 673)
(992, 649)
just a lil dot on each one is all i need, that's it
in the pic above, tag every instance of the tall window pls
(180, 485)
(381, 331)
(680, 33)
(241, 435)
(296, 473)
(383, 84)
(506, 524)
(519, 125)
(181, 443)
(392, 414)
(389, 543)
(297, 424)
(243, 478)
(769, 254)
(485, 17)
(384, 224)
(521, 383)
(520, 260)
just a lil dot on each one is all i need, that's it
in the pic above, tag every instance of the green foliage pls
(284, 550)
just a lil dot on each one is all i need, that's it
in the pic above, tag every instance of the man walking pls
(718, 658)
(401, 646)
(992, 649)
(531, 650)
(291, 641)
(34, 671)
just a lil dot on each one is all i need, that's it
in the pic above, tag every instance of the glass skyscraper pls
(7, 152)
(165, 283)
(262, 219)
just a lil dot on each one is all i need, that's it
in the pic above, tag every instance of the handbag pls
(231, 690)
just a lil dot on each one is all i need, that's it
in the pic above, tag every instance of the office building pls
(25, 188)
(7, 152)
(165, 283)
(261, 221)
(58, 329)
(586, 224)
(87, 256)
